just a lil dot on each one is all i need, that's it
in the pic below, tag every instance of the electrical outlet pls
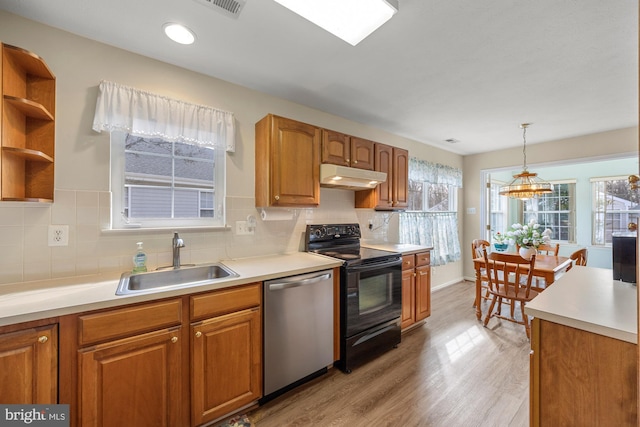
(242, 228)
(58, 235)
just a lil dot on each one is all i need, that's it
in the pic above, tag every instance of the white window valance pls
(140, 113)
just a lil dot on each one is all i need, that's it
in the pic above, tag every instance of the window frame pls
(595, 212)
(525, 216)
(118, 220)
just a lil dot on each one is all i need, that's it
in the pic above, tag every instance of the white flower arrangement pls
(529, 235)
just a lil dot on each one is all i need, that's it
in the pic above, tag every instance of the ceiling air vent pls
(230, 8)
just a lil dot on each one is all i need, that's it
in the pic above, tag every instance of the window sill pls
(154, 230)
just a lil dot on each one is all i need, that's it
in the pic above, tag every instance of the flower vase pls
(526, 252)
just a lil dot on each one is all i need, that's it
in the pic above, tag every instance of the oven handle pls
(383, 264)
(294, 284)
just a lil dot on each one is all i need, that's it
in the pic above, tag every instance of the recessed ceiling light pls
(179, 33)
(351, 20)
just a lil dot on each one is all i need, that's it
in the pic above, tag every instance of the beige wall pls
(594, 146)
(82, 168)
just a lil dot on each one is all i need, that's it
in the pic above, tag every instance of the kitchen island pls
(584, 367)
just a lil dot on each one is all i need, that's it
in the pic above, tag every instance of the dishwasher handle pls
(296, 283)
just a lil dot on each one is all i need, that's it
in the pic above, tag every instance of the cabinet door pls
(408, 316)
(400, 189)
(132, 382)
(29, 366)
(287, 163)
(384, 163)
(336, 148)
(226, 369)
(423, 292)
(362, 153)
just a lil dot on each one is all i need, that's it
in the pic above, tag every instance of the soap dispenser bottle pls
(140, 260)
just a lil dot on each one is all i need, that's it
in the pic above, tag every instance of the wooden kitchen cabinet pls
(287, 156)
(226, 356)
(29, 365)
(394, 193)
(28, 127)
(416, 288)
(581, 378)
(130, 366)
(345, 150)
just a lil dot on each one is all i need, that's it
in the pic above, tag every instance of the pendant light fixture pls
(526, 185)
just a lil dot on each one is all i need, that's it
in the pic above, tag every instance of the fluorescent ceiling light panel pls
(351, 20)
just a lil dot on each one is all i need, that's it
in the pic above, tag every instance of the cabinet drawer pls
(225, 301)
(423, 258)
(408, 262)
(108, 325)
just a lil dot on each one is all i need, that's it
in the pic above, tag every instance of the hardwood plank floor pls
(451, 371)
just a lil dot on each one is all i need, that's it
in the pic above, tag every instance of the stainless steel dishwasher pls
(298, 330)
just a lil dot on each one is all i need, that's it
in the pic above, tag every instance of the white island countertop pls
(26, 301)
(589, 299)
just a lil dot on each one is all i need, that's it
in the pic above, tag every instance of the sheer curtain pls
(436, 229)
(145, 114)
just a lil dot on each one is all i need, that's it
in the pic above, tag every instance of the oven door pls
(372, 294)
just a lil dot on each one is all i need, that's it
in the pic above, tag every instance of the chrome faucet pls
(176, 244)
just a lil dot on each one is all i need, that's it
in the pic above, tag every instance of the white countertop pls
(21, 302)
(589, 299)
(403, 248)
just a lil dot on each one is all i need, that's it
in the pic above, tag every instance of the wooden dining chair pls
(477, 247)
(509, 277)
(549, 249)
(579, 257)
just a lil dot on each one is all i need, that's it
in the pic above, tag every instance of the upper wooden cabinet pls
(28, 127)
(394, 193)
(345, 150)
(287, 163)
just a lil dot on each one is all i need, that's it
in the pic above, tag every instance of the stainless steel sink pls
(131, 283)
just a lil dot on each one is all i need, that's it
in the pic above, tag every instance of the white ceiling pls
(465, 69)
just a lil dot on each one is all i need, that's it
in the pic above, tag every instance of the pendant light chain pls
(524, 146)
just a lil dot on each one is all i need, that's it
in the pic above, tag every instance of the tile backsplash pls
(26, 255)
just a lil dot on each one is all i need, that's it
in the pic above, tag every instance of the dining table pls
(547, 267)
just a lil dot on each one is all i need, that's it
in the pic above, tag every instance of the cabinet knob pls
(355, 162)
(277, 197)
(43, 339)
(198, 334)
(174, 339)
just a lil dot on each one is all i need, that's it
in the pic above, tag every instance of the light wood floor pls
(451, 371)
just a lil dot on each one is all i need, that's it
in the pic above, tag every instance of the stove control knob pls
(320, 232)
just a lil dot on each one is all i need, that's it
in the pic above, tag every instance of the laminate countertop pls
(589, 299)
(403, 248)
(26, 301)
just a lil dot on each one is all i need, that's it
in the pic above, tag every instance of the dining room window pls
(555, 211)
(615, 205)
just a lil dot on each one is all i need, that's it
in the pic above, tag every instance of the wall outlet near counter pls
(243, 229)
(58, 235)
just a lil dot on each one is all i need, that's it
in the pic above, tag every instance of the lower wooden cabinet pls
(416, 288)
(226, 361)
(29, 365)
(135, 381)
(579, 378)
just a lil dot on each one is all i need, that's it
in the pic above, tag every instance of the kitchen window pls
(432, 215)
(615, 205)
(158, 183)
(167, 158)
(555, 211)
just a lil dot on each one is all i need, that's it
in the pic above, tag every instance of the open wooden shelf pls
(29, 108)
(31, 155)
(27, 111)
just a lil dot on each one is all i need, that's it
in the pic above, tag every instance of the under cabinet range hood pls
(350, 178)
